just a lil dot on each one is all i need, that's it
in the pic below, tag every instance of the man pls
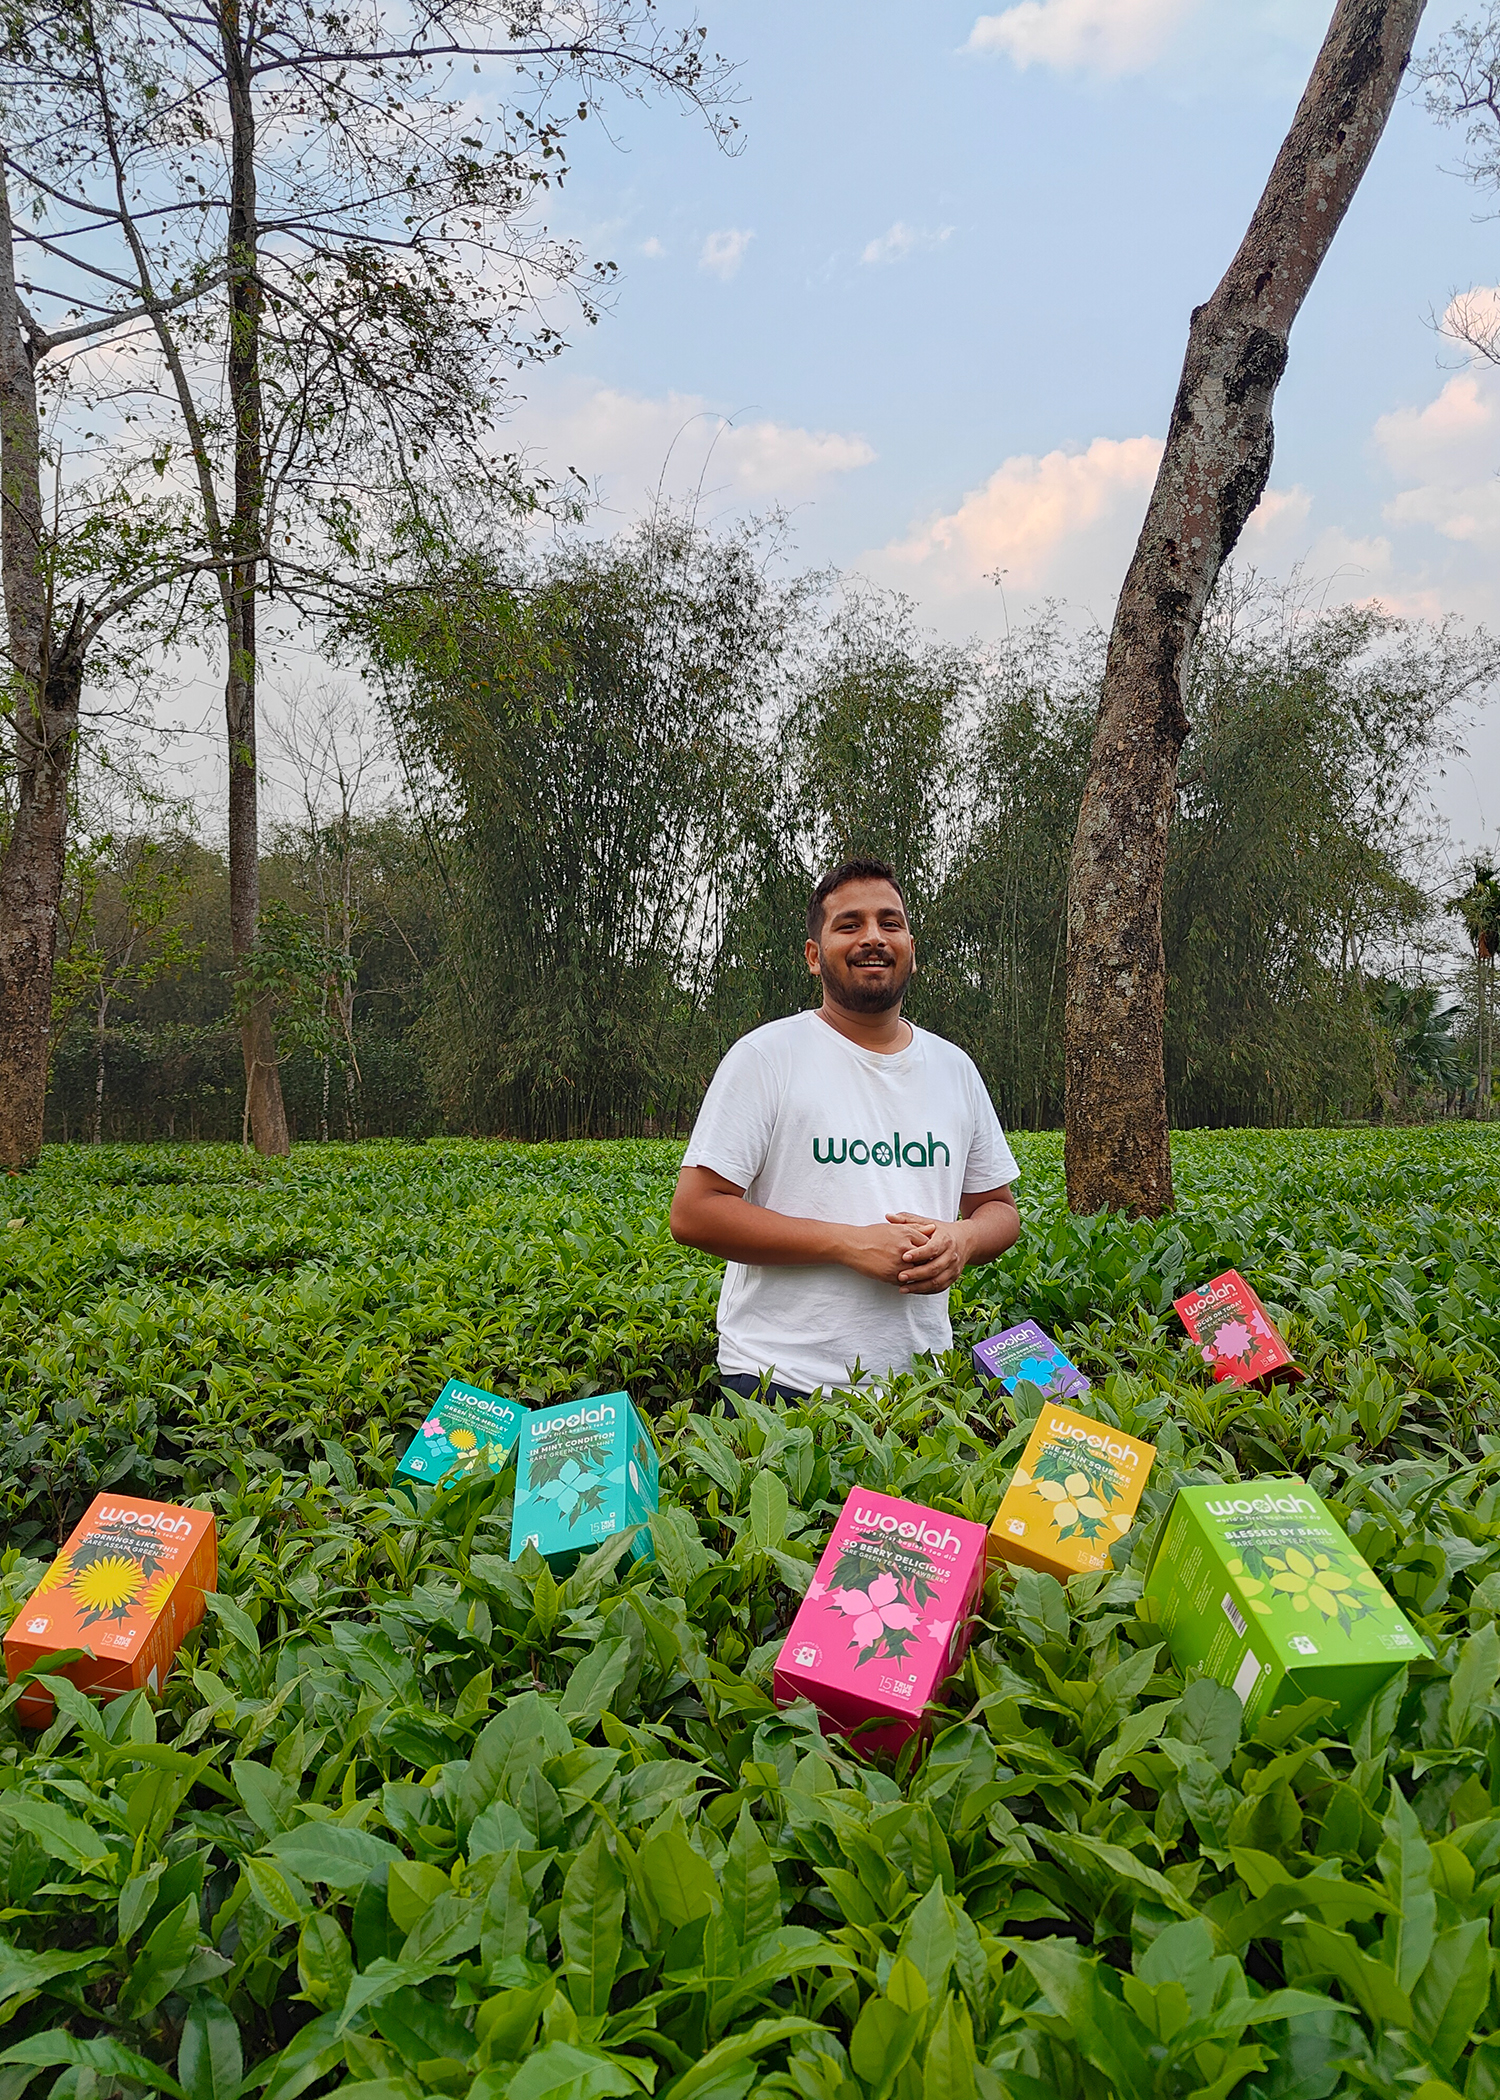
(846, 1165)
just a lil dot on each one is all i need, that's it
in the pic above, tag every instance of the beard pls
(856, 993)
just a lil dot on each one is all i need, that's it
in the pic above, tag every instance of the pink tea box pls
(886, 1618)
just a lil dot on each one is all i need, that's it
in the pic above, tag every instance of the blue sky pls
(943, 289)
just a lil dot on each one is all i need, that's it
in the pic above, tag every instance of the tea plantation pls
(410, 1818)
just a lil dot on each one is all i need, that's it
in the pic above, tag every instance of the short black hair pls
(848, 871)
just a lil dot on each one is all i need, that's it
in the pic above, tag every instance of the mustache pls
(880, 954)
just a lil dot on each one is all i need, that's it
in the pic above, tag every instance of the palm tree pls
(1422, 1056)
(1479, 908)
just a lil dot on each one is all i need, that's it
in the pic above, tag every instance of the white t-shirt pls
(808, 1124)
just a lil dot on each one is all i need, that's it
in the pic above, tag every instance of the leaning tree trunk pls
(1213, 471)
(46, 680)
(265, 1111)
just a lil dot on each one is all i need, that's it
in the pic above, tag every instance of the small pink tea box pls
(886, 1617)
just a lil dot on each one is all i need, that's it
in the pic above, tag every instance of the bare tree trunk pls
(46, 680)
(1213, 472)
(265, 1112)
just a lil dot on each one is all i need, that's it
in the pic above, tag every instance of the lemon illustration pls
(1091, 1506)
(1064, 1512)
(1051, 1489)
(1250, 1587)
(1307, 1581)
(1020, 1478)
(1077, 1484)
(1121, 1522)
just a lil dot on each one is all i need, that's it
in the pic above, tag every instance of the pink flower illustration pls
(940, 1628)
(1233, 1339)
(876, 1608)
(815, 1588)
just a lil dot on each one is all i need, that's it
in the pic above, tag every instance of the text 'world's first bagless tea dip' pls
(126, 1587)
(886, 1617)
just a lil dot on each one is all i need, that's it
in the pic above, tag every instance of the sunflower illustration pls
(462, 1439)
(61, 1571)
(155, 1594)
(107, 1588)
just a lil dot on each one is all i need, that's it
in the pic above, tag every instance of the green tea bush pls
(412, 1818)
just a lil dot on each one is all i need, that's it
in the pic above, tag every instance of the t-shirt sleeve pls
(733, 1132)
(991, 1163)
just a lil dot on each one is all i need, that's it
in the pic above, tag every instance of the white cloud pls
(1097, 36)
(1447, 452)
(900, 240)
(1278, 512)
(724, 251)
(1064, 524)
(631, 444)
(653, 248)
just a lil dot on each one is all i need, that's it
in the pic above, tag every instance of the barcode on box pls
(1231, 1613)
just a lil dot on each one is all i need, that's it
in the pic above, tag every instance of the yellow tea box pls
(1072, 1497)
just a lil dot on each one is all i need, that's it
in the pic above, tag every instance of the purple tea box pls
(1028, 1353)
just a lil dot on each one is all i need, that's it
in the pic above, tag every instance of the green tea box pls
(1255, 1583)
(466, 1428)
(584, 1471)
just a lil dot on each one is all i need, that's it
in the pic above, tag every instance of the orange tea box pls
(1072, 1497)
(126, 1587)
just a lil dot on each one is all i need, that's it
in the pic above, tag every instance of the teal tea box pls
(584, 1471)
(467, 1428)
(1255, 1583)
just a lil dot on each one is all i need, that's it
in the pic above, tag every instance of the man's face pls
(865, 955)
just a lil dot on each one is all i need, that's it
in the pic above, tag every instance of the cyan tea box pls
(1254, 1582)
(584, 1471)
(466, 1429)
(1028, 1352)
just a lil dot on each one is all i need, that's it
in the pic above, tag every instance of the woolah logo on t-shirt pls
(882, 1152)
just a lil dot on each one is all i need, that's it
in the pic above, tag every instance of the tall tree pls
(67, 578)
(46, 679)
(334, 254)
(1213, 471)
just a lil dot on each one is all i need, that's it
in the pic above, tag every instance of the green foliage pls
(300, 974)
(175, 1066)
(638, 758)
(580, 734)
(1423, 1059)
(411, 1818)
